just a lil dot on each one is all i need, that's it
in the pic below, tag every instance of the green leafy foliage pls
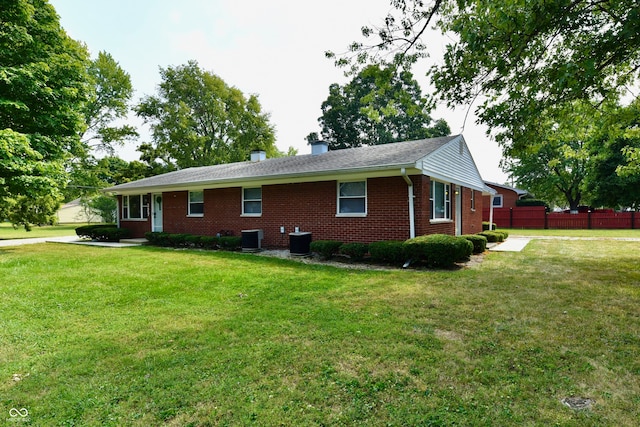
(486, 225)
(356, 251)
(197, 120)
(42, 90)
(378, 106)
(388, 252)
(108, 101)
(479, 242)
(438, 250)
(103, 232)
(325, 248)
(532, 202)
(493, 236)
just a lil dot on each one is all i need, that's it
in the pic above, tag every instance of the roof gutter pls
(412, 225)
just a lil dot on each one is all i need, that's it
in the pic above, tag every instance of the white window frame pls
(340, 198)
(446, 192)
(190, 203)
(244, 199)
(496, 197)
(144, 208)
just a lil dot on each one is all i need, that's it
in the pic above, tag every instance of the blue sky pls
(274, 49)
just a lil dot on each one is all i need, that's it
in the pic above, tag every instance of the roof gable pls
(427, 155)
(453, 162)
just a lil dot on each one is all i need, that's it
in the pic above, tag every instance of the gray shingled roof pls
(400, 154)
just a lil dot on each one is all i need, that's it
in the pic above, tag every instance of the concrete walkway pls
(72, 240)
(511, 244)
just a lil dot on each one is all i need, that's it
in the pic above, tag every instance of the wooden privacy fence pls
(537, 217)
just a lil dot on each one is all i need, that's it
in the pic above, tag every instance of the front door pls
(458, 210)
(156, 218)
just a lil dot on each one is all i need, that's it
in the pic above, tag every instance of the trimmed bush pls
(438, 250)
(325, 248)
(479, 242)
(492, 236)
(356, 251)
(158, 238)
(110, 234)
(209, 242)
(504, 233)
(230, 243)
(194, 241)
(388, 252)
(485, 225)
(532, 202)
(178, 240)
(87, 231)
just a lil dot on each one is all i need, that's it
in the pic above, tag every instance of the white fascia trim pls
(338, 175)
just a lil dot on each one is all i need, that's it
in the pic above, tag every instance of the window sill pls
(251, 215)
(134, 219)
(195, 216)
(351, 215)
(441, 221)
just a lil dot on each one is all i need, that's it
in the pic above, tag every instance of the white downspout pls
(412, 225)
(491, 211)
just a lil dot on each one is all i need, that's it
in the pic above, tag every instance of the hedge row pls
(434, 250)
(103, 232)
(229, 243)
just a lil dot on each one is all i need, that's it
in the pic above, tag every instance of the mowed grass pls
(147, 336)
(7, 231)
(599, 233)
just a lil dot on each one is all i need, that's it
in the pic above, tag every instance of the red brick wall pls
(137, 227)
(312, 207)
(471, 219)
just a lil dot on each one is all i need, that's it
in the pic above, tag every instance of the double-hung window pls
(473, 200)
(252, 201)
(352, 198)
(135, 206)
(440, 200)
(196, 203)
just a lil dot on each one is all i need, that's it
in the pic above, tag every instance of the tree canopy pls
(43, 85)
(109, 98)
(378, 106)
(197, 120)
(516, 57)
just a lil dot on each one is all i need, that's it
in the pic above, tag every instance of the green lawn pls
(7, 231)
(147, 336)
(573, 233)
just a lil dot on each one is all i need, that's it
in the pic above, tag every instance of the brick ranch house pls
(366, 194)
(505, 198)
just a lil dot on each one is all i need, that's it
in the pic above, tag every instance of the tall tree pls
(108, 101)
(519, 57)
(554, 165)
(43, 85)
(612, 180)
(197, 119)
(378, 106)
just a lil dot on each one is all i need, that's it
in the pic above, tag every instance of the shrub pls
(110, 234)
(194, 241)
(388, 251)
(355, 251)
(209, 242)
(230, 243)
(485, 226)
(158, 238)
(325, 248)
(532, 202)
(87, 231)
(492, 236)
(504, 233)
(178, 240)
(438, 250)
(479, 242)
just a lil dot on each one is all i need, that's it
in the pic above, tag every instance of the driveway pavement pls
(19, 242)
